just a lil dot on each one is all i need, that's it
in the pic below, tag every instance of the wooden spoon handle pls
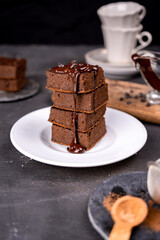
(120, 231)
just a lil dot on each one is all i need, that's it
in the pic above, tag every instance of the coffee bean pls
(143, 99)
(121, 99)
(141, 95)
(148, 104)
(135, 96)
(127, 95)
(128, 102)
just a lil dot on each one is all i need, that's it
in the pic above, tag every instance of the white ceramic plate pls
(115, 71)
(125, 136)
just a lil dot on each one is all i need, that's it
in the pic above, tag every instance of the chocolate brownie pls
(84, 120)
(12, 85)
(79, 89)
(88, 139)
(12, 68)
(86, 102)
(87, 82)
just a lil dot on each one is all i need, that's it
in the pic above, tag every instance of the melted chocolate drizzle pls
(146, 68)
(74, 69)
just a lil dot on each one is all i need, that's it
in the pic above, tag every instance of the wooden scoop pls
(127, 212)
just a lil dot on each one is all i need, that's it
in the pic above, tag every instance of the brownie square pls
(12, 68)
(84, 120)
(87, 139)
(86, 102)
(12, 85)
(63, 81)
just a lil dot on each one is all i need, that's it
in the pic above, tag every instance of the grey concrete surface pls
(42, 202)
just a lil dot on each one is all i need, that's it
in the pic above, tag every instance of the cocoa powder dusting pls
(150, 203)
(110, 199)
(153, 219)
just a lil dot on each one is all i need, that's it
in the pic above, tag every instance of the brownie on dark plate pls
(12, 74)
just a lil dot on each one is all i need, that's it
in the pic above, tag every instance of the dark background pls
(62, 21)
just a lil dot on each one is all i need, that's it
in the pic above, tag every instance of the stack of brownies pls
(12, 74)
(79, 97)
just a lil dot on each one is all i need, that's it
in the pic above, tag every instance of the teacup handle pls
(143, 43)
(143, 13)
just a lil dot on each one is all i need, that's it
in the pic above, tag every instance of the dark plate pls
(30, 89)
(135, 184)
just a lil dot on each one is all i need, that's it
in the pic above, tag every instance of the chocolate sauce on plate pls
(146, 68)
(74, 69)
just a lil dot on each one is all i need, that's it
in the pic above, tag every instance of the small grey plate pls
(135, 184)
(30, 89)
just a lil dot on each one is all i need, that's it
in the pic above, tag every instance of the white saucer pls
(113, 71)
(125, 136)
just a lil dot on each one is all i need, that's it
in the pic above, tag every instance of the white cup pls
(121, 14)
(121, 43)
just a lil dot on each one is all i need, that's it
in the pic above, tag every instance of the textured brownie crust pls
(12, 85)
(85, 120)
(64, 83)
(12, 68)
(86, 102)
(88, 139)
